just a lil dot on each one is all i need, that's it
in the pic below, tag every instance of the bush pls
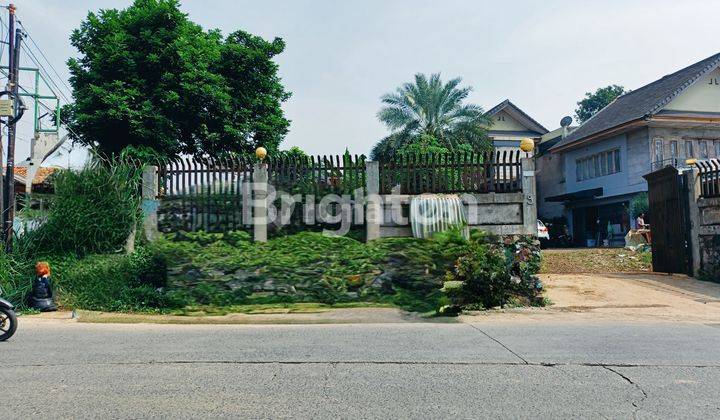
(491, 272)
(112, 282)
(93, 211)
(639, 205)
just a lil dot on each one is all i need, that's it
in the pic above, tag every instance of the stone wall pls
(709, 237)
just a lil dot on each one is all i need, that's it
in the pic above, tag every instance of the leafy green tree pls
(594, 102)
(429, 116)
(147, 76)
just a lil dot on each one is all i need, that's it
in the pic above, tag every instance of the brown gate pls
(667, 196)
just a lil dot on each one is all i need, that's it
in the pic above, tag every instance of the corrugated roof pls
(643, 102)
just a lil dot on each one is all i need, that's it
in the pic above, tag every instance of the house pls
(40, 183)
(600, 164)
(510, 125)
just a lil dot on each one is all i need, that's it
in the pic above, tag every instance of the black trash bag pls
(41, 296)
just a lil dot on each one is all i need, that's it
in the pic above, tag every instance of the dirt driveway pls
(638, 297)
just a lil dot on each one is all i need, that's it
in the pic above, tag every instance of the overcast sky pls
(342, 55)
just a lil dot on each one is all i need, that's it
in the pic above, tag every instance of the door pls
(667, 196)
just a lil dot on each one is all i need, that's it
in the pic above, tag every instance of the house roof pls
(518, 114)
(40, 176)
(641, 103)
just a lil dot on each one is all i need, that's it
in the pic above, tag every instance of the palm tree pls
(430, 112)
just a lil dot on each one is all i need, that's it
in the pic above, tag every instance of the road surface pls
(490, 368)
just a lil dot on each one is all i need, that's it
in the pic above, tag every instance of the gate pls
(667, 196)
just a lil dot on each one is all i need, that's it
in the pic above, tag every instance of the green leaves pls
(429, 116)
(147, 76)
(594, 102)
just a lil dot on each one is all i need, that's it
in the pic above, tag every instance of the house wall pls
(502, 121)
(703, 96)
(634, 163)
(692, 134)
(550, 182)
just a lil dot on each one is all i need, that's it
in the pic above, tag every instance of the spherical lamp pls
(261, 153)
(527, 145)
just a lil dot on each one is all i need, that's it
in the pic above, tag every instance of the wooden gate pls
(667, 195)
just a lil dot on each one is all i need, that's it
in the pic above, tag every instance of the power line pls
(62, 81)
(27, 32)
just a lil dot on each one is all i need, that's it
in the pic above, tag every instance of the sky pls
(341, 56)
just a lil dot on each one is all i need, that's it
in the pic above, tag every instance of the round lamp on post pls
(527, 145)
(261, 153)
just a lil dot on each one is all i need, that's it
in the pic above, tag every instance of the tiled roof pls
(643, 102)
(40, 177)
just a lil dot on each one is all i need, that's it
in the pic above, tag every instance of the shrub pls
(491, 272)
(639, 205)
(93, 211)
(118, 282)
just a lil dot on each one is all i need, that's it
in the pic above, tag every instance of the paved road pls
(509, 370)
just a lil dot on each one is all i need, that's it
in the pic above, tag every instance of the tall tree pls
(429, 115)
(147, 76)
(594, 102)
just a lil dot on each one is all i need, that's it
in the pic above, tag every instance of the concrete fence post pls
(260, 204)
(692, 180)
(150, 202)
(373, 206)
(529, 197)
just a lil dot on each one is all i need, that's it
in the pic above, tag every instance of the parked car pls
(542, 231)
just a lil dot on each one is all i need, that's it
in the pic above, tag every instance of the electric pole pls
(9, 181)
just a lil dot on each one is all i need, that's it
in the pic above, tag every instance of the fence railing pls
(709, 177)
(317, 175)
(215, 195)
(499, 171)
(204, 194)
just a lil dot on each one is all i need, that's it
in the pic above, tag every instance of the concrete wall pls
(498, 213)
(704, 215)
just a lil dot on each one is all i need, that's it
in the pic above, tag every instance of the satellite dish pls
(566, 121)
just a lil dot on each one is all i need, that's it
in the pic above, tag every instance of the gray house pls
(510, 125)
(593, 172)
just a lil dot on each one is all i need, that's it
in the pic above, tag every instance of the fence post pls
(529, 197)
(692, 180)
(150, 202)
(373, 208)
(260, 205)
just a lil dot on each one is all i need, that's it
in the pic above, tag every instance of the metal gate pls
(667, 196)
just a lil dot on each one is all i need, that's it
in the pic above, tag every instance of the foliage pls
(147, 76)
(490, 273)
(639, 205)
(430, 116)
(120, 282)
(594, 102)
(94, 211)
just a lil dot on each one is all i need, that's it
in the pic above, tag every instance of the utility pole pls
(9, 184)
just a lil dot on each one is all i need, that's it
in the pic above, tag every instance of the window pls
(673, 149)
(597, 165)
(689, 152)
(658, 150)
(703, 149)
(717, 149)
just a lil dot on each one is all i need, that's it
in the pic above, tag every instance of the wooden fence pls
(709, 177)
(204, 194)
(215, 195)
(452, 173)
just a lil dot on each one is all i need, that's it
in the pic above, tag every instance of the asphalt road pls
(489, 369)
